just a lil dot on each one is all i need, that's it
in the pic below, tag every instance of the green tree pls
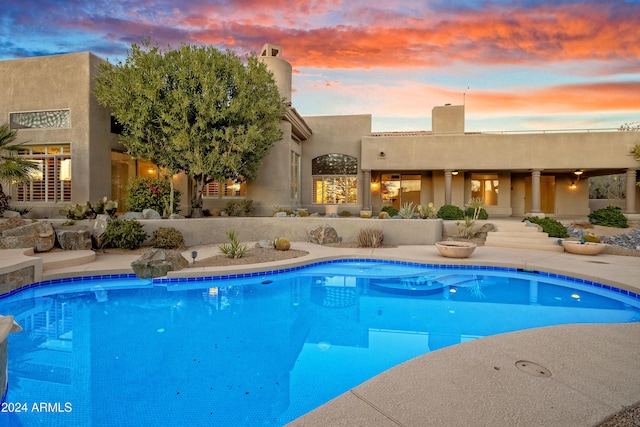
(13, 169)
(195, 110)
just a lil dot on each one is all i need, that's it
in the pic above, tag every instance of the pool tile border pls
(175, 280)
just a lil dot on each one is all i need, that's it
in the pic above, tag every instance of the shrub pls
(550, 226)
(239, 207)
(390, 210)
(482, 213)
(611, 216)
(450, 212)
(233, 249)
(167, 238)
(277, 209)
(344, 213)
(370, 237)
(151, 193)
(124, 233)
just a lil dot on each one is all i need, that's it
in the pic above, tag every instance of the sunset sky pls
(516, 65)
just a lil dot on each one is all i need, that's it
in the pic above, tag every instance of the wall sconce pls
(572, 186)
(374, 187)
(454, 172)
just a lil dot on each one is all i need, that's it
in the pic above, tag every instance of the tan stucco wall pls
(61, 82)
(273, 184)
(447, 119)
(493, 152)
(333, 134)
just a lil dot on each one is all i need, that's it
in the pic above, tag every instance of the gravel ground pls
(255, 255)
(629, 417)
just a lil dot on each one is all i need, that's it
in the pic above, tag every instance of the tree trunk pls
(196, 200)
(4, 201)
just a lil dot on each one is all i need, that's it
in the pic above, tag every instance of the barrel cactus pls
(282, 244)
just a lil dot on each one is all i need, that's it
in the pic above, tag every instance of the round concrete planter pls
(455, 249)
(587, 248)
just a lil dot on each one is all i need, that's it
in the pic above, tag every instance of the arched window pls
(335, 179)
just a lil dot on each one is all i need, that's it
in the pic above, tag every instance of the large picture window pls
(52, 183)
(485, 187)
(54, 119)
(335, 179)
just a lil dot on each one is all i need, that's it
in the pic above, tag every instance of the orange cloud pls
(578, 98)
(538, 35)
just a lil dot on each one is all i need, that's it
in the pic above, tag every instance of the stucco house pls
(320, 161)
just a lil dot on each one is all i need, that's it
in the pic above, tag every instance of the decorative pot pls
(455, 249)
(330, 210)
(587, 248)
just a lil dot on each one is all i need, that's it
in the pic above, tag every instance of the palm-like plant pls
(13, 169)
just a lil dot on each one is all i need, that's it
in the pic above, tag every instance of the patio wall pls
(204, 231)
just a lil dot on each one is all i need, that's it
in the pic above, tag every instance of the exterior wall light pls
(374, 187)
(572, 186)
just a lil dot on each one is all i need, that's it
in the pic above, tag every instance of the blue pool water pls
(260, 349)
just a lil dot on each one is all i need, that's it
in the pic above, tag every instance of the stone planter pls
(455, 249)
(587, 248)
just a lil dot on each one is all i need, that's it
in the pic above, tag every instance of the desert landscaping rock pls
(98, 230)
(150, 214)
(37, 235)
(74, 238)
(323, 234)
(157, 262)
(11, 222)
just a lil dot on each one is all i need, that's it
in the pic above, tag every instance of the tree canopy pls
(195, 109)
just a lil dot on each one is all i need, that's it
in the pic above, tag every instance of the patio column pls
(447, 187)
(366, 191)
(631, 191)
(535, 191)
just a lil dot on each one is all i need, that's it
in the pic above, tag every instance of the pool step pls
(520, 235)
(63, 259)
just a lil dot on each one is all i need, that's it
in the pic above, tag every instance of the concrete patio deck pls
(594, 370)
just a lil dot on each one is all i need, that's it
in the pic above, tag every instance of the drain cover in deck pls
(533, 369)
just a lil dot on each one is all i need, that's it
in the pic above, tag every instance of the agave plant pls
(406, 210)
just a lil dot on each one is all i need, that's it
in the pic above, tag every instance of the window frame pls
(51, 186)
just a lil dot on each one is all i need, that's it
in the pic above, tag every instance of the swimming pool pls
(262, 348)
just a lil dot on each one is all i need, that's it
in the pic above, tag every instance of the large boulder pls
(132, 215)
(323, 234)
(11, 222)
(74, 238)
(98, 230)
(157, 262)
(150, 214)
(37, 235)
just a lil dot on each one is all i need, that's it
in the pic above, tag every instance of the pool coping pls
(586, 386)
